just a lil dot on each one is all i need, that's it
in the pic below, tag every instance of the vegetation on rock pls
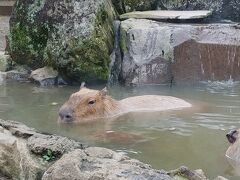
(74, 41)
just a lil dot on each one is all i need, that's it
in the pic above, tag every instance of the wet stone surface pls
(156, 53)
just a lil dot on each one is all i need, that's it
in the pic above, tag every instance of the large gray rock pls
(16, 161)
(18, 73)
(124, 6)
(45, 76)
(22, 150)
(40, 144)
(185, 173)
(75, 37)
(154, 52)
(227, 9)
(4, 30)
(222, 9)
(4, 61)
(17, 129)
(101, 163)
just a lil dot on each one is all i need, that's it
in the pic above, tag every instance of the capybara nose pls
(66, 114)
(231, 136)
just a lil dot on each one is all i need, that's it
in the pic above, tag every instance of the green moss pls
(119, 6)
(28, 42)
(80, 54)
(82, 58)
(27, 39)
(141, 5)
(90, 59)
(34, 9)
(123, 38)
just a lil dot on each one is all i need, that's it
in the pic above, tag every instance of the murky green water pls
(194, 137)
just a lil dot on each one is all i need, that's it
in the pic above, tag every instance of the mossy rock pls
(75, 37)
(141, 5)
(123, 6)
(222, 9)
(119, 6)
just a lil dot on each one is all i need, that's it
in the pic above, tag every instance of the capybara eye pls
(92, 102)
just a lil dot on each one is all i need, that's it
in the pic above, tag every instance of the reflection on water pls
(194, 137)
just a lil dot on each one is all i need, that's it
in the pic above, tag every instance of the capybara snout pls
(232, 136)
(66, 114)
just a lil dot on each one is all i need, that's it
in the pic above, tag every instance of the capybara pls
(233, 152)
(88, 104)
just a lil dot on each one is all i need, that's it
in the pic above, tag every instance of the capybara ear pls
(103, 92)
(82, 85)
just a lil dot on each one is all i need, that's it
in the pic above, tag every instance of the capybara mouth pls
(231, 136)
(65, 121)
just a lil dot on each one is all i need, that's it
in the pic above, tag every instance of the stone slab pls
(167, 15)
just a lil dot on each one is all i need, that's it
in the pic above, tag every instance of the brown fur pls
(103, 106)
(79, 102)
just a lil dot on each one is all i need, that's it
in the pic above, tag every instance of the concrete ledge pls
(167, 15)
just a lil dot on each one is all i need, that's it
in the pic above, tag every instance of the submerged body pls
(87, 104)
(152, 103)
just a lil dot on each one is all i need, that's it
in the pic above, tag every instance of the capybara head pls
(233, 151)
(86, 105)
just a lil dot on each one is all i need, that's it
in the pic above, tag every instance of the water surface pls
(193, 137)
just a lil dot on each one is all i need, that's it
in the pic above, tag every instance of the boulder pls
(140, 5)
(16, 161)
(226, 9)
(119, 5)
(4, 61)
(123, 6)
(161, 15)
(100, 163)
(4, 30)
(40, 144)
(23, 149)
(146, 53)
(18, 73)
(222, 9)
(185, 173)
(75, 37)
(157, 53)
(45, 76)
(17, 129)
